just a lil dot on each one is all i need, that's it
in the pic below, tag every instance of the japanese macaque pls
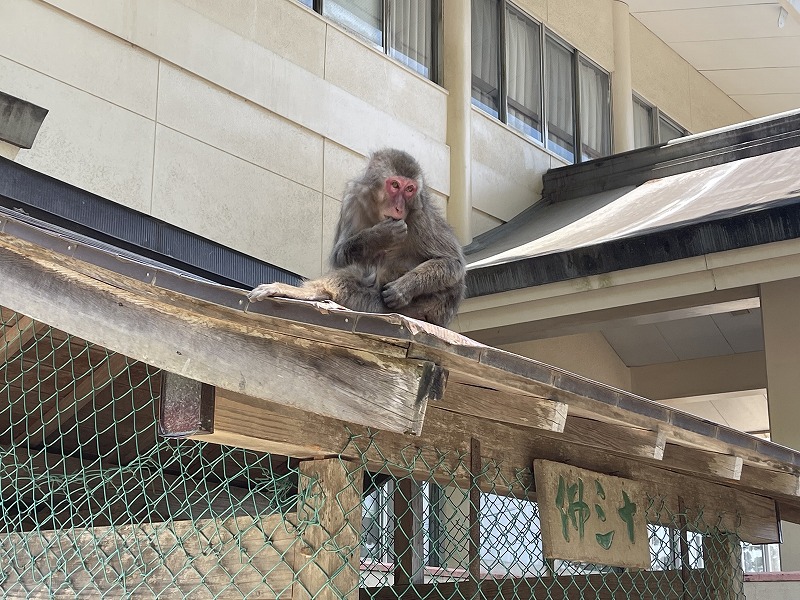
(393, 252)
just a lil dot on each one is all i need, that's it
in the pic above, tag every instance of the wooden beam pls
(16, 333)
(329, 504)
(784, 484)
(723, 466)
(507, 453)
(65, 409)
(360, 386)
(649, 585)
(252, 555)
(722, 560)
(630, 441)
(506, 407)
(186, 406)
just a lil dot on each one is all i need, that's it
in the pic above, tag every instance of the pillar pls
(457, 25)
(621, 83)
(781, 322)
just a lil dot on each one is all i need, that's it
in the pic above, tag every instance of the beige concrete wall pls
(771, 590)
(241, 123)
(667, 81)
(168, 92)
(587, 354)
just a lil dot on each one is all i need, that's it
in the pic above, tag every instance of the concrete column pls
(457, 25)
(781, 322)
(621, 85)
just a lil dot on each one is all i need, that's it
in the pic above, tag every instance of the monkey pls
(393, 252)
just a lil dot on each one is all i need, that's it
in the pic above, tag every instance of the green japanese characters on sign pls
(591, 517)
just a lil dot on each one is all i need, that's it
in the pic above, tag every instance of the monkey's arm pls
(363, 245)
(429, 277)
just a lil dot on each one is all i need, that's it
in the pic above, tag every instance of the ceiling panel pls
(745, 411)
(718, 23)
(698, 337)
(741, 54)
(779, 80)
(769, 104)
(640, 345)
(742, 330)
(661, 5)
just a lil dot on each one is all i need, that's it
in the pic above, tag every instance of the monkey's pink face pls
(400, 193)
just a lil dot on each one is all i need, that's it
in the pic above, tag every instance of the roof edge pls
(710, 148)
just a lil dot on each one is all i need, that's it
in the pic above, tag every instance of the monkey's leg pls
(310, 290)
(438, 309)
(355, 288)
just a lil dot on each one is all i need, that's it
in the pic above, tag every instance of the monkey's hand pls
(394, 295)
(390, 232)
(265, 290)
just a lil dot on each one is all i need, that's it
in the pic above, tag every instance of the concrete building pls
(241, 121)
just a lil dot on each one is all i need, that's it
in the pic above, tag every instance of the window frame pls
(656, 115)
(575, 57)
(386, 16)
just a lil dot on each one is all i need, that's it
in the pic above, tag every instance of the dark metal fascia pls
(777, 223)
(64, 205)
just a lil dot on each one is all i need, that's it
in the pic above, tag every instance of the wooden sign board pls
(590, 517)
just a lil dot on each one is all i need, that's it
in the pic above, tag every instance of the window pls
(529, 79)
(651, 126)
(407, 30)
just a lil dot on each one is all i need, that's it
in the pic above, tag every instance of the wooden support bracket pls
(186, 407)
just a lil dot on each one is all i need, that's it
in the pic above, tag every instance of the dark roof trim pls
(776, 222)
(679, 156)
(68, 207)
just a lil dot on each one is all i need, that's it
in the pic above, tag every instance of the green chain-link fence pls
(95, 503)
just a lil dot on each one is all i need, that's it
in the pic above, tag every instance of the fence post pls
(329, 517)
(409, 542)
(722, 556)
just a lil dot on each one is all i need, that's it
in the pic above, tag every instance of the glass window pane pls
(560, 101)
(595, 107)
(411, 34)
(642, 124)
(667, 131)
(363, 17)
(486, 55)
(524, 74)
(308, 3)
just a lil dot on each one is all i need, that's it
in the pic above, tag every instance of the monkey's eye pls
(395, 184)
(410, 189)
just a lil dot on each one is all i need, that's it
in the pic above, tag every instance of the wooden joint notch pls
(431, 387)
(186, 406)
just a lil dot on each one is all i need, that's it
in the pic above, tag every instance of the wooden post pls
(722, 555)
(329, 520)
(475, 467)
(409, 542)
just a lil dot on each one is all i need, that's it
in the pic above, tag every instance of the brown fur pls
(413, 266)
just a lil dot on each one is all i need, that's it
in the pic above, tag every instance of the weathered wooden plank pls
(514, 374)
(178, 559)
(630, 441)
(359, 386)
(507, 453)
(329, 506)
(723, 466)
(785, 484)
(654, 585)
(519, 409)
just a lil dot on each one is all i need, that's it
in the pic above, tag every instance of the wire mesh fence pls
(96, 503)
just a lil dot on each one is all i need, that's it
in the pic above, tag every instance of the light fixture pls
(782, 18)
